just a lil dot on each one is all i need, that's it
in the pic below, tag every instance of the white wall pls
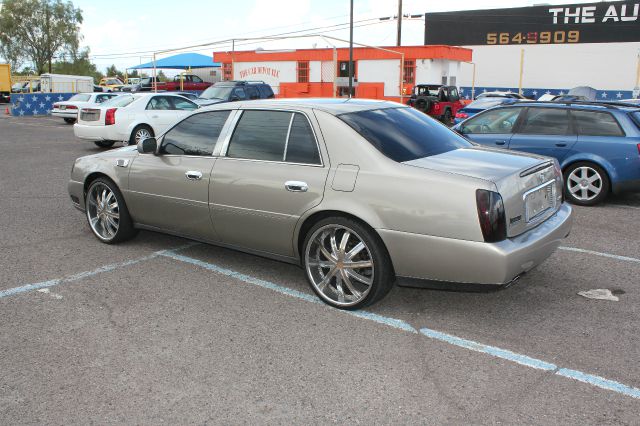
(315, 71)
(210, 75)
(272, 72)
(385, 71)
(431, 71)
(604, 66)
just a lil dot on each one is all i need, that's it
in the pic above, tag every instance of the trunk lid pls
(91, 116)
(530, 185)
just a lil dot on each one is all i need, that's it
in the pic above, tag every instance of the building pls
(324, 72)
(557, 46)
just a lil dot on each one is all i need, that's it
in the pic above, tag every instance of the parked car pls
(498, 94)
(148, 84)
(232, 91)
(111, 84)
(68, 110)
(480, 105)
(97, 88)
(597, 144)
(441, 102)
(359, 193)
(631, 101)
(131, 118)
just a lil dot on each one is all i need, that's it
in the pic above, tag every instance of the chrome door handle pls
(296, 186)
(193, 175)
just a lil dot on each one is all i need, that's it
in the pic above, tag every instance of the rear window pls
(488, 102)
(79, 98)
(119, 101)
(404, 134)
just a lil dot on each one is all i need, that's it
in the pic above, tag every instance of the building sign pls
(602, 22)
(264, 71)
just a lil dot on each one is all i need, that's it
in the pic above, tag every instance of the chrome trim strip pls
(286, 142)
(535, 168)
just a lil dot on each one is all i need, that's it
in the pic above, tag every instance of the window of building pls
(410, 72)
(227, 71)
(303, 71)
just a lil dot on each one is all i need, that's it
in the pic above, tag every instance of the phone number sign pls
(603, 22)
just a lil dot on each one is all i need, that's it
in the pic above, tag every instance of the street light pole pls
(351, 50)
(399, 39)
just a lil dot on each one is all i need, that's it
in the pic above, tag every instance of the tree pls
(161, 76)
(77, 64)
(39, 30)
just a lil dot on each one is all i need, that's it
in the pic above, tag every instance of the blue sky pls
(129, 30)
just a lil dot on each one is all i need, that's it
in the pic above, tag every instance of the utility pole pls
(351, 50)
(399, 39)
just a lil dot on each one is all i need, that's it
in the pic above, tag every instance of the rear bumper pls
(421, 257)
(64, 114)
(94, 133)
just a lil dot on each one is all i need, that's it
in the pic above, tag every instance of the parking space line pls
(520, 359)
(85, 274)
(597, 253)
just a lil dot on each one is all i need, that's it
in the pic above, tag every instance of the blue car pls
(480, 105)
(597, 144)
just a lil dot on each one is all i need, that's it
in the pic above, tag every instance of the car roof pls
(592, 105)
(333, 106)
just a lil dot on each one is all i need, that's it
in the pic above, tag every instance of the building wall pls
(604, 66)
(386, 72)
(271, 72)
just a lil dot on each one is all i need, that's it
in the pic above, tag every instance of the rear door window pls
(545, 121)
(301, 146)
(265, 91)
(260, 135)
(182, 104)
(596, 123)
(160, 103)
(252, 92)
(196, 135)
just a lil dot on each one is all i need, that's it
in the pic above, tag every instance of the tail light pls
(72, 107)
(462, 115)
(55, 106)
(110, 117)
(491, 214)
(639, 149)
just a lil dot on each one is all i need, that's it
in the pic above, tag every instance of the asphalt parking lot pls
(159, 330)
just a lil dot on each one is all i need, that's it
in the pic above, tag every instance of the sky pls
(125, 32)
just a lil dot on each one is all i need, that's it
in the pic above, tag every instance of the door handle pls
(296, 186)
(560, 144)
(193, 175)
(500, 142)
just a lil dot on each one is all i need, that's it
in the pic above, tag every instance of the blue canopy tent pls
(182, 61)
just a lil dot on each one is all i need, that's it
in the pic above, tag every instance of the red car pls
(441, 102)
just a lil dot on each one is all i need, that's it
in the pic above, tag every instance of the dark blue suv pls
(597, 144)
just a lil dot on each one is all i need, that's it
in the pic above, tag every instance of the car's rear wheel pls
(107, 212)
(140, 133)
(346, 263)
(70, 120)
(586, 184)
(104, 144)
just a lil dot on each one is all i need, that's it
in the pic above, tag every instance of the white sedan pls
(69, 109)
(130, 118)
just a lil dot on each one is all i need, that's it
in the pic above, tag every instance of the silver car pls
(360, 193)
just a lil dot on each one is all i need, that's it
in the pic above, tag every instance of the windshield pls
(119, 101)
(79, 98)
(404, 134)
(219, 92)
(113, 81)
(426, 90)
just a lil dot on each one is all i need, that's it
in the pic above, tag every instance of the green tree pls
(39, 30)
(161, 76)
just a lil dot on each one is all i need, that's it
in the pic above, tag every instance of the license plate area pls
(62, 107)
(539, 200)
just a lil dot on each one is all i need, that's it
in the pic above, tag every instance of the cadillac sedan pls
(360, 193)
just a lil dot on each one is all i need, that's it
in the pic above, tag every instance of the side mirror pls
(149, 145)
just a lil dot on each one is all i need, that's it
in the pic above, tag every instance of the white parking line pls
(520, 359)
(598, 253)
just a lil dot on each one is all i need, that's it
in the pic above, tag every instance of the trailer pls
(58, 83)
(5, 83)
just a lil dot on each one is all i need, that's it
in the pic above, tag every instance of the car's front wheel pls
(347, 263)
(586, 184)
(107, 212)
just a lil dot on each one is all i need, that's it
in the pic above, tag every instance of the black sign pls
(602, 22)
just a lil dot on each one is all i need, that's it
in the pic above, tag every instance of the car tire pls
(69, 120)
(330, 265)
(586, 184)
(107, 212)
(423, 105)
(446, 118)
(140, 132)
(104, 144)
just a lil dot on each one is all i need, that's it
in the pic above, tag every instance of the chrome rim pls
(339, 265)
(142, 134)
(103, 211)
(584, 183)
